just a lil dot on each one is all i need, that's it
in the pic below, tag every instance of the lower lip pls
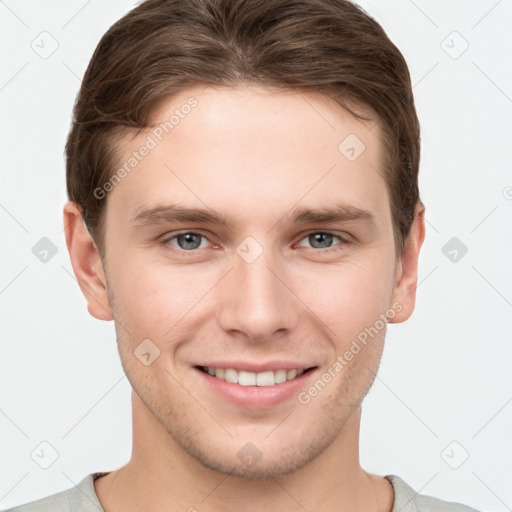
(256, 397)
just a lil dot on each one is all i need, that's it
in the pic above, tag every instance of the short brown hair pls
(162, 47)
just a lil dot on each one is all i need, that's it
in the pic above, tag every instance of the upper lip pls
(258, 367)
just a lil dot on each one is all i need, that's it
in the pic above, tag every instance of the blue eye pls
(190, 241)
(321, 238)
(187, 241)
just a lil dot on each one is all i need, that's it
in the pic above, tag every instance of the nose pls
(257, 300)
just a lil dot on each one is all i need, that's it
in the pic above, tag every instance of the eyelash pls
(339, 247)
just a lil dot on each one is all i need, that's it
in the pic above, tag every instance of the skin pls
(253, 155)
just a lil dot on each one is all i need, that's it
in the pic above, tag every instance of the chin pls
(257, 469)
(260, 458)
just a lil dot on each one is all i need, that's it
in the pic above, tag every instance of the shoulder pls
(80, 498)
(408, 500)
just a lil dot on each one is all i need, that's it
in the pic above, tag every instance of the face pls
(254, 234)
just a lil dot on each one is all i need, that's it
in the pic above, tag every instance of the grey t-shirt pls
(83, 498)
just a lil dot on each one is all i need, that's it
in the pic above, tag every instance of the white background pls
(445, 374)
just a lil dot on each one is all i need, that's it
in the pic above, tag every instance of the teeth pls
(279, 376)
(231, 375)
(247, 378)
(264, 378)
(267, 378)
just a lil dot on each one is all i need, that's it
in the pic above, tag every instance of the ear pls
(86, 263)
(406, 276)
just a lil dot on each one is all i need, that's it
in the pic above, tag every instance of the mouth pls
(268, 378)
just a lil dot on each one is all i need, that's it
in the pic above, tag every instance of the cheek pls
(347, 297)
(152, 298)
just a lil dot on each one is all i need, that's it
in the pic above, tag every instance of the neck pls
(161, 475)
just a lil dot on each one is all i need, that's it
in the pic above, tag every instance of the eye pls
(323, 240)
(190, 241)
(186, 241)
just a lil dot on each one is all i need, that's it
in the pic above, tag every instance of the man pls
(244, 204)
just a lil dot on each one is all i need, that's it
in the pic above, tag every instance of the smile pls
(245, 378)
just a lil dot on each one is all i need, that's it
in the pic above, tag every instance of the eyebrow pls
(175, 213)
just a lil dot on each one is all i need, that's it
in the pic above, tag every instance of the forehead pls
(241, 149)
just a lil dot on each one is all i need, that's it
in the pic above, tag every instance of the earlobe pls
(407, 268)
(86, 262)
